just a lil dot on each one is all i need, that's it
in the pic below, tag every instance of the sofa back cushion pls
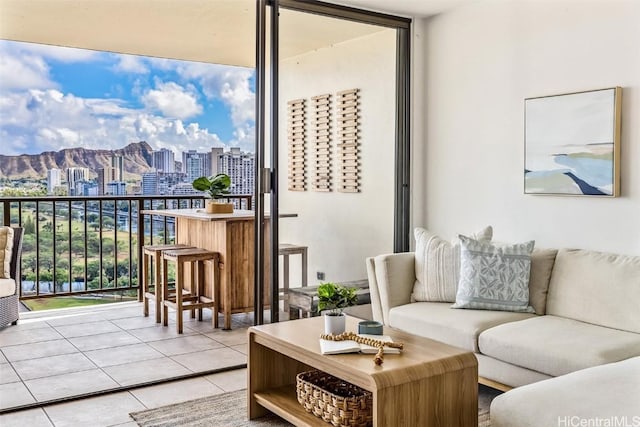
(437, 264)
(6, 247)
(596, 287)
(541, 266)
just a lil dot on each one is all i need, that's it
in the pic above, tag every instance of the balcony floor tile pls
(145, 370)
(86, 329)
(8, 374)
(135, 322)
(230, 380)
(14, 394)
(102, 341)
(211, 359)
(15, 353)
(52, 365)
(124, 354)
(158, 332)
(164, 394)
(183, 345)
(10, 336)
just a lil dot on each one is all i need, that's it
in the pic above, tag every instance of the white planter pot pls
(334, 325)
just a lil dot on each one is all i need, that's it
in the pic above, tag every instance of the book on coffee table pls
(350, 346)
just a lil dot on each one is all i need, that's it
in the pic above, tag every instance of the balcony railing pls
(87, 245)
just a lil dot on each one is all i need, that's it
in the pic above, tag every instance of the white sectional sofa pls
(588, 306)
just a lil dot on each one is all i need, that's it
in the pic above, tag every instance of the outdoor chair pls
(9, 303)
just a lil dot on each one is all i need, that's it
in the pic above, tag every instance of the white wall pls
(482, 61)
(342, 229)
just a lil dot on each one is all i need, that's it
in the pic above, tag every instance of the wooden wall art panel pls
(347, 156)
(321, 143)
(296, 142)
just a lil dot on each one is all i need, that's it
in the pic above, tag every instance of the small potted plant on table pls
(216, 187)
(332, 299)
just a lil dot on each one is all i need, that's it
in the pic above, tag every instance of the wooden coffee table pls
(428, 384)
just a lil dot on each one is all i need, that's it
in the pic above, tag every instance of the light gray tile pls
(2, 358)
(100, 341)
(37, 350)
(95, 411)
(145, 370)
(232, 337)
(54, 365)
(135, 322)
(121, 313)
(123, 354)
(71, 384)
(230, 380)
(14, 394)
(211, 359)
(8, 336)
(183, 345)
(174, 392)
(242, 348)
(85, 329)
(8, 374)
(26, 324)
(27, 418)
(75, 319)
(159, 332)
(129, 424)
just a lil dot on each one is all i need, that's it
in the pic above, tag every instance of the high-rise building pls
(106, 175)
(240, 166)
(196, 164)
(75, 175)
(216, 153)
(163, 160)
(116, 188)
(150, 183)
(117, 162)
(54, 179)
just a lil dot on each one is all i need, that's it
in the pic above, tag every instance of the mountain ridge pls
(136, 160)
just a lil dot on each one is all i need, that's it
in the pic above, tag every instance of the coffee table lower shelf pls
(283, 402)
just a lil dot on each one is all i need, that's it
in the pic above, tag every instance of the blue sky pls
(53, 97)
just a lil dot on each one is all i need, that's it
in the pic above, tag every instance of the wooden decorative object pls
(348, 157)
(378, 359)
(321, 143)
(296, 142)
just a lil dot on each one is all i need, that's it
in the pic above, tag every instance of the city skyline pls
(53, 98)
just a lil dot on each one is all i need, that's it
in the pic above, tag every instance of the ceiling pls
(217, 31)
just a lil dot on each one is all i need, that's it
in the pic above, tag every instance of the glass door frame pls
(266, 180)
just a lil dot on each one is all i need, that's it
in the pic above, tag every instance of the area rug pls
(229, 409)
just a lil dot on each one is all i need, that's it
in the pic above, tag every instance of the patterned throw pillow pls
(6, 247)
(438, 265)
(494, 277)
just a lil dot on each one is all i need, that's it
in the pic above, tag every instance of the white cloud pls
(173, 100)
(59, 53)
(130, 64)
(25, 72)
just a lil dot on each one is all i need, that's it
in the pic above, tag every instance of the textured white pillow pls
(494, 277)
(6, 247)
(438, 265)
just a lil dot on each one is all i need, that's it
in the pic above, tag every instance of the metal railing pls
(84, 245)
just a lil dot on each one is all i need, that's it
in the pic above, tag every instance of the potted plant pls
(332, 299)
(215, 187)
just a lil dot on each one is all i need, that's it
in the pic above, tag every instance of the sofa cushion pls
(542, 261)
(596, 287)
(6, 246)
(7, 287)
(436, 320)
(437, 264)
(556, 345)
(494, 277)
(606, 393)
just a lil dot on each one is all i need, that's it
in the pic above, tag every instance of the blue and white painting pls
(569, 143)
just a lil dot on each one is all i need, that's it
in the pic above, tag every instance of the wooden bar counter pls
(232, 236)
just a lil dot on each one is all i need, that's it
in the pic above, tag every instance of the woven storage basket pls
(334, 400)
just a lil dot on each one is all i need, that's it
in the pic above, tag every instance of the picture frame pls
(572, 143)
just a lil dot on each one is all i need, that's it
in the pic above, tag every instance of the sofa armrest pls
(391, 279)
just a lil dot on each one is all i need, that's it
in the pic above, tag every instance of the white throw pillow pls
(438, 265)
(6, 248)
(494, 277)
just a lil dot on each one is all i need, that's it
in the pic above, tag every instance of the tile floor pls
(57, 354)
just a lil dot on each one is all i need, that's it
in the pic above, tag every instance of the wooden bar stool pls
(286, 249)
(194, 298)
(149, 255)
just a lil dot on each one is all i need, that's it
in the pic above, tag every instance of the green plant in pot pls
(216, 188)
(332, 299)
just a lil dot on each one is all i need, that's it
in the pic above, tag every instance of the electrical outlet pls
(320, 275)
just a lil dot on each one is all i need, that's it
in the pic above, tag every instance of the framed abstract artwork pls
(572, 143)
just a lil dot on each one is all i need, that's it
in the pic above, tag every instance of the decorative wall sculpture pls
(296, 142)
(347, 146)
(321, 142)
